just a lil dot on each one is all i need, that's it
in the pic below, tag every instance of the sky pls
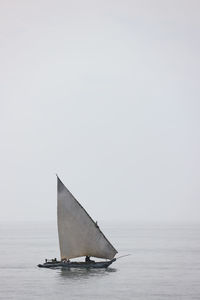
(106, 94)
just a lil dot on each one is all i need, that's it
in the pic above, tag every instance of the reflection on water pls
(80, 273)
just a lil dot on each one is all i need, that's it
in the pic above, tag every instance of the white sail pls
(78, 234)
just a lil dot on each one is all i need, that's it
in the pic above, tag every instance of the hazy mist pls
(107, 95)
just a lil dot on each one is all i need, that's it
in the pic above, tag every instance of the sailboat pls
(79, 235)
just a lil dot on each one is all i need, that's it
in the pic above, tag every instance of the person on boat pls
(88, 260)
(66, 260)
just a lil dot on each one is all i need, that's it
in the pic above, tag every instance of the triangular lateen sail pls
(78, 234)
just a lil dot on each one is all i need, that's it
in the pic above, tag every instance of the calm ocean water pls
(164, 264)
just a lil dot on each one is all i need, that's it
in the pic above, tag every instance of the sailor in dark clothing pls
(88, 260)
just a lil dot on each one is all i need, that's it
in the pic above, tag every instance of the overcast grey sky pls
(107, 95)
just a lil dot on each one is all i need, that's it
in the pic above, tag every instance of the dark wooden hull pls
(86, 265)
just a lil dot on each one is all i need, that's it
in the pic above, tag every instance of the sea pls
(163, 263)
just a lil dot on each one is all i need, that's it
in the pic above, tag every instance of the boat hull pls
(86, 265)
